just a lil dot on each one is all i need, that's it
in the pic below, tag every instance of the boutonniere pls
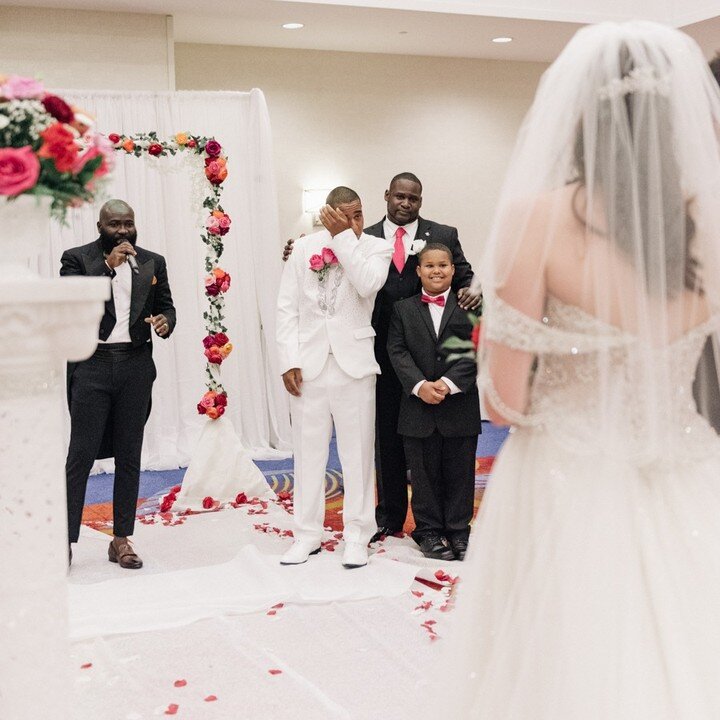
(322, 262)
(417, 245)
(154, 280)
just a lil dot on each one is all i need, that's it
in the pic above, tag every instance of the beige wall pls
(358, 119)
(87, 50)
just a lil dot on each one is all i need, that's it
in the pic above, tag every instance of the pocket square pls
(154, 280)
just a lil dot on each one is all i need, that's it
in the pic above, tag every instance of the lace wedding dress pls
(592, 584)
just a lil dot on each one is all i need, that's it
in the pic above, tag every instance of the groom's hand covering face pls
(346, 215)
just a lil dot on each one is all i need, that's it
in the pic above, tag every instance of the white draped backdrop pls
(166, 194)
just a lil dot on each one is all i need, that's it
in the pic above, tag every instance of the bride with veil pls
(592, 587)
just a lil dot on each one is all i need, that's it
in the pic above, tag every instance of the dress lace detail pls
(587, 371)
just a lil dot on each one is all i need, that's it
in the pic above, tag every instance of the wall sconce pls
(313, 200)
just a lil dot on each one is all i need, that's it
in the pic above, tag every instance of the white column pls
(42, 324)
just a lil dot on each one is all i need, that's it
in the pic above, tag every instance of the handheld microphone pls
(132, 262)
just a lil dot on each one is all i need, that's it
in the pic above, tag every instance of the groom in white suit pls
(326, 342)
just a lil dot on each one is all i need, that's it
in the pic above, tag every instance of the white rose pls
(4, 121)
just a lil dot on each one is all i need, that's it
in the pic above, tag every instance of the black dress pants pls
(114, 385)
(390, 467)
(442, 474)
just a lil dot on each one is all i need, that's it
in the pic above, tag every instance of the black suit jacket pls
(150, 295)
(417, 354)
(406, 284)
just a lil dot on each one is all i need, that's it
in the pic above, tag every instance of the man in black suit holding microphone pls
(109, 393)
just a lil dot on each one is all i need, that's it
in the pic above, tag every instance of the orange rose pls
(226, 349)
(219, 273)
(128, 145)
(213, 413)
(181, 138)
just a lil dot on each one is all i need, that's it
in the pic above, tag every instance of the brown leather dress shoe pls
(121, 552)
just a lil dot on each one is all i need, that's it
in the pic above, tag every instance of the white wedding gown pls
(592, 585)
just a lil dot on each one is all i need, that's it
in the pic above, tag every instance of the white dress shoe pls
(355, 555)
(299, 553)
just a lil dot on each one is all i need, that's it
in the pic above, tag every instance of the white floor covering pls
(213, 627)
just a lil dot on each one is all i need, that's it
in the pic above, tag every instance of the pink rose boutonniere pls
(322, 262)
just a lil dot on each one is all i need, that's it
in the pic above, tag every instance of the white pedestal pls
(43, 323)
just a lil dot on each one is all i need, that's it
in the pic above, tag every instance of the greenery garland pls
(216, 343)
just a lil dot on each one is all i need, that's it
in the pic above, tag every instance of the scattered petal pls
(180, 683)
(85, 666)
(275, 671)
(211, 698)
(172, 709)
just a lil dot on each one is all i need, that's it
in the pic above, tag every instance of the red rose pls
(59, 144)
(176, 489)
(19, 170)
(209, 341)
(220, 409)
(58, 108)
(213, 148)
(155, 149)
(212, 290)
(221, 400)
(241, 499)
(475, 337)
(114, 138)
(191, 144)
(201, 409)
(166, 505)
(214, 357)
(221, 339)
(208, 502)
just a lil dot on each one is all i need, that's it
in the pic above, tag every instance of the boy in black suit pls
(440, 408)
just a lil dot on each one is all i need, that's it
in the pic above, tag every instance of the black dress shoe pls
(384, 532)
(459, 546)
(433, 546)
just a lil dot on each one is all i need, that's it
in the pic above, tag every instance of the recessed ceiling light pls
(502, 39)
(403, 32)
(293, 26)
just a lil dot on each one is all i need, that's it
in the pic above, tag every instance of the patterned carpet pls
(279, 476)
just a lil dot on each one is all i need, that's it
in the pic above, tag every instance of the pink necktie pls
(398, 257)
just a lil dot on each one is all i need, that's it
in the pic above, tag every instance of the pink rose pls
(328, 257)
(21, 88)
(316, 263)
(207, 401)
(213, 225)
(225, 285)
(213, 148)
(225, 222)
(213, 355)
(19, 170)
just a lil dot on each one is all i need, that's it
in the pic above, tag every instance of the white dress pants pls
(333, 396)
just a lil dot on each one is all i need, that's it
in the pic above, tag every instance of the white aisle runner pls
(214, 627)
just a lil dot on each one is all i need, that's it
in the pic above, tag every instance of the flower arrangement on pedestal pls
(217, 224)
(47, 147)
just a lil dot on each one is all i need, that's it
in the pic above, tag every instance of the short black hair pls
(715, 66)
(407, 176)
(435, 246)
(341, 195)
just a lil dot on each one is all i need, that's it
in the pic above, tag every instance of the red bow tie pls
(438, 300)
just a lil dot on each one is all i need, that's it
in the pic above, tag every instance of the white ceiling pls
(452, 28)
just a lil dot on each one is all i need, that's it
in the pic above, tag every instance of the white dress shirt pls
(390, 228)
(121, 292)
(436, 313)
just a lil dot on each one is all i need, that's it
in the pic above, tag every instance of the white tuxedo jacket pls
(315, 318)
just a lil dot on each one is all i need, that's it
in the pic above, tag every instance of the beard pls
(108, 242)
